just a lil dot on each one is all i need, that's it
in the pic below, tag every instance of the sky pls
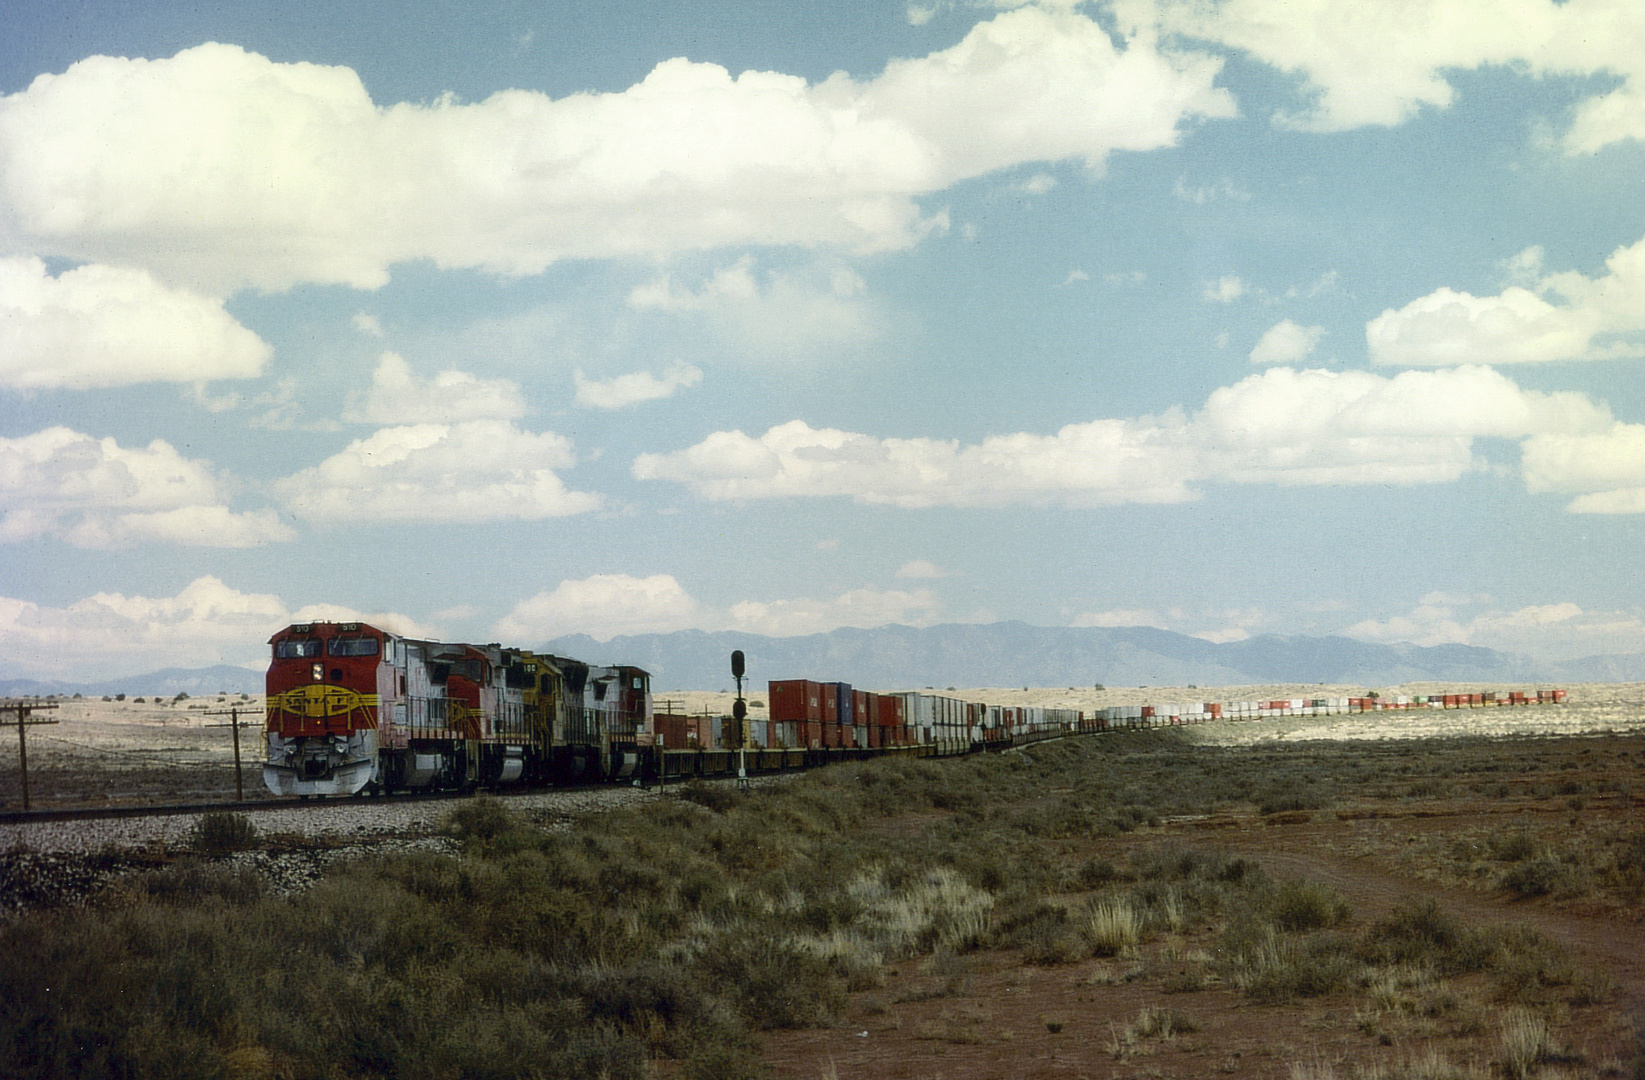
(512, 320)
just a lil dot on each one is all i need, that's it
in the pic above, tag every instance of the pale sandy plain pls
(112, 751)
(1591, 707)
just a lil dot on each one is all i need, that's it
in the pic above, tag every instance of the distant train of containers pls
(829, 715)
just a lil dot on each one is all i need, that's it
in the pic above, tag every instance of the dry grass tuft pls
(1525, 1043)
(1112, 927)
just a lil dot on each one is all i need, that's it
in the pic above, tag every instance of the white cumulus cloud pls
(219, 169)
(112, 634)
(95, 493)
(1521, 325)
(602, 606)
(1286, 342)
(399, 396)
(1281, 426)
(864, 608)
(99, 326)
(1225, 290)
(1560, 630)
(1371, 62)
(775, 313)
(1099, 463)
(1215, 626)
(478, 470)
(1606, 468)
(921, 568)
(635, 387)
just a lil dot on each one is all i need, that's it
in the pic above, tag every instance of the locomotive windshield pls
(353, 646)
(296, 648)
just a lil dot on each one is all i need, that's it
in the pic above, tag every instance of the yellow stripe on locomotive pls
(318, 701)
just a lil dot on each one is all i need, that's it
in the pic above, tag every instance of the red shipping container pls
(891, 714)
(795, 699)
(859, 706)
(830, 703)
(874, 739)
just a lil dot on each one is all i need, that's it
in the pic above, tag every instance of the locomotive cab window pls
(296, 648)
(353, 646)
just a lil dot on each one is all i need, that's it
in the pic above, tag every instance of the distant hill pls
(195, 682)
(1017, 654)
(973, 655)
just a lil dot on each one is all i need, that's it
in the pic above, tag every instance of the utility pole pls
(234, 722)
(24, 722)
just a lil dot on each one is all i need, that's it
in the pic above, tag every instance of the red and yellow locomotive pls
(354, 708)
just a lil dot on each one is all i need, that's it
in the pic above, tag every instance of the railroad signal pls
(739, 711)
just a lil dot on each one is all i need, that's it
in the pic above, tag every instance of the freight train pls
(354, 709)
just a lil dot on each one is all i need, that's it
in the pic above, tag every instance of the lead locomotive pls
(352, 708)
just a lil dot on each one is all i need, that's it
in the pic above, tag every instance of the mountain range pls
(974, 655)
(1018, 654)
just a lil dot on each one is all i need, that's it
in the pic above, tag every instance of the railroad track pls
(97, 813)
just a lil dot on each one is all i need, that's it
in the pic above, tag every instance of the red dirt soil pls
(1010, 1020)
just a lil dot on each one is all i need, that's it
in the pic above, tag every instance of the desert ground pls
(1524, 827)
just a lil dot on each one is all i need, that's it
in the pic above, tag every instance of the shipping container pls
(830, 702)
(891, 710)
(794, 699)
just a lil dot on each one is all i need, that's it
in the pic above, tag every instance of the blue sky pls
(505, 321)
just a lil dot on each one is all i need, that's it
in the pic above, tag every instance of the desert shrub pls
(774, 982)
(188, 884)
(1282, 802)
(596, 1051)
(719, 798)
(1527, 964)
(1271, 966)
(1042, 930)
(482, 818)
(1546, 876)
(1420, 933)
(1095, 873)
(220, 831)
(1515, 846)
(1302, 904)
(720, 1061)
(1161, 1023)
